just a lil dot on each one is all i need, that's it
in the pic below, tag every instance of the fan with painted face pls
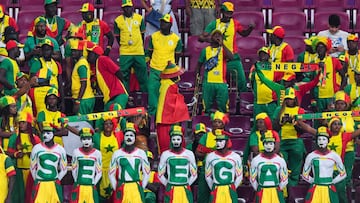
(129, 134)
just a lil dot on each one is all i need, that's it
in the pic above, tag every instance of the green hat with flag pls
(221, 135)
(200, 128)
(6, 101)
(176, 130)
(46, 2)
(130, 127)
(86, 132)
(47, 126)
(268, 136)
(289, 93)
(126, 3)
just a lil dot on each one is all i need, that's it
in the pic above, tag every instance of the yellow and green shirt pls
(229, 31)
(328, 88)
(81, 72)
(130, 30)
(107, 146)
(218, 73)
(52, 117)
(6, 170)
(11, 67)
(202, 4)
(288, 130)
(48, 70)
(164, 48)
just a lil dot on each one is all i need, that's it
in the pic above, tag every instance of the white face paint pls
(322, 141)
(48, 136)
(86, 141)
(129, 138)
(176, 141)
(220, 144)
(269, 146)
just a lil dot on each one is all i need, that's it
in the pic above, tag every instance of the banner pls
(328, 115)
(97, 116)
(294, 67)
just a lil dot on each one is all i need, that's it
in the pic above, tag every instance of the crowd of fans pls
(114, 162)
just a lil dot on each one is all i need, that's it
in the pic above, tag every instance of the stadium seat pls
(114, 52)
(25, 18)
(321, 21)
(239, 126)
(109, 17)
(297, 43)
(297, 193)
(330, 5)
(27, 5)
(72, 5)
(233, 101)
(246, 103)
(248, 5)
(308, 142)
(248, 60)
(249, 45)
(245, 193)
(74, 16)
(293, 22)
(193, 52)
(251, 17)
(187, 81)
(202, 119)
(238, 144)
(357, 24)
(288, 5)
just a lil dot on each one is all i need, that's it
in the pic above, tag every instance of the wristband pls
(77, 101)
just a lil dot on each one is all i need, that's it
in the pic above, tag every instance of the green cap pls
(46, 2)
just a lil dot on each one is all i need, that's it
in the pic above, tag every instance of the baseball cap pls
(9, 30)
(264, 49)
(48, 42)
(167, 18)
(288, 76)
(2, 11)
(94, 48)
(87, 7)
(46, 2)
(227, 6)
(352, 37)
(289, 93)
(12, 44)
(21, 74)
(77, 44)
(126, 3)
(277, 31)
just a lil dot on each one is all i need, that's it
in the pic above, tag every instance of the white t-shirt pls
(337, 39)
